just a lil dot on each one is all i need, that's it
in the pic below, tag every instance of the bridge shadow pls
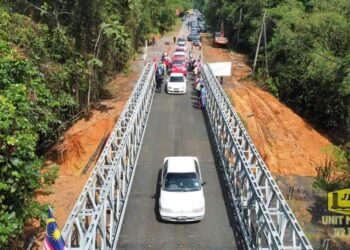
(156, 197)
(224, 189)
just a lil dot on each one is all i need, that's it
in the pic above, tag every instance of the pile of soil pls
(287, 143)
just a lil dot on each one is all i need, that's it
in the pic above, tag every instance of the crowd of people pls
(193, 66)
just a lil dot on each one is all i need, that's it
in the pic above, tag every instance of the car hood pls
(177, 84)
(181, 201)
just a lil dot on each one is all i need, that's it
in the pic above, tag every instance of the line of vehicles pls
(178, 65)
(177, 83)
(197, 26)
(181, 196)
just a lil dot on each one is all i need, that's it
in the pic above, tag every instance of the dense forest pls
(304, 60)
(308, 53)
(55, 56)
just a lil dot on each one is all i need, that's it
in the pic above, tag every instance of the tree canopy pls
(308, 53)
(55, 56)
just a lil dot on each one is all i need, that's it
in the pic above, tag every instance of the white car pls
(181, 195)
(179, 53)
(182, 44)
(176, 84)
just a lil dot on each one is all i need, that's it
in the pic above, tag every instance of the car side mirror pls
(160, 183)
(203, 183)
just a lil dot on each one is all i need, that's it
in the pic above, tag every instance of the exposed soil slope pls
(287, 143)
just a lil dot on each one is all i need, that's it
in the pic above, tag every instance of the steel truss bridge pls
(263, 215)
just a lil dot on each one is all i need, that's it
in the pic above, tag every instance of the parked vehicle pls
(191, 35)
(181, 193)
(220, 38)
(176, 84)
(182, 44)
(180, 48)
(181, 39)
(196, 40)
(180, 53)
(178, 66)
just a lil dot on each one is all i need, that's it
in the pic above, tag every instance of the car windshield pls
(181, 182)
(196, 38)
(178, 63)
(176, 79)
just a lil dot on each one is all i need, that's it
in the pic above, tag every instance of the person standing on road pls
(174, 39)
(159, 80)
(203, 97)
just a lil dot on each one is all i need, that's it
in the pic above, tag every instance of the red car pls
(180, 48)
(178, 66)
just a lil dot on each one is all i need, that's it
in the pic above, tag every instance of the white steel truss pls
(97, 216)
(264, 216)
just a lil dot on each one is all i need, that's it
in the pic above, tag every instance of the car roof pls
(176, 74)
(179, 53)
(181, 164)
(179, 58)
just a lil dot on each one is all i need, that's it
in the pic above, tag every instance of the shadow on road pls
(228, 205)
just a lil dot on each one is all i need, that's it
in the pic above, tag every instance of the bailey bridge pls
(118, 205)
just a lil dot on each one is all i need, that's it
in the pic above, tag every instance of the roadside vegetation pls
(55, 57)
(308, 58)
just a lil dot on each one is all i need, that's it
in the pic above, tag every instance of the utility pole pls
(265, 47)
(239, 24)
(259, 40)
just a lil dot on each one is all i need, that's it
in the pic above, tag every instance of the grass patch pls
(244, 122)
(231, 100)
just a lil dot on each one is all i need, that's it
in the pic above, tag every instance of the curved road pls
(176, 127)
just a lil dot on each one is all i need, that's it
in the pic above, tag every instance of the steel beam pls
(97, 216)
(264, 216)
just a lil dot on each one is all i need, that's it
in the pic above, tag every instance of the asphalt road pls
(177, 128)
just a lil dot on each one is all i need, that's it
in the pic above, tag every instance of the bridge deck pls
(175, 127)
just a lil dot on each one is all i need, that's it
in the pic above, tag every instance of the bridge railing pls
(264, 216)
(97, 216)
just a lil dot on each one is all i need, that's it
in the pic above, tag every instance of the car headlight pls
(165, 210)
(201, 209)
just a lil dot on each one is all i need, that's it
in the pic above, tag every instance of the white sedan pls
(181, 195)
(176, 84)
(182, 44)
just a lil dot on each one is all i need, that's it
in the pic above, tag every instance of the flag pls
(53, 238)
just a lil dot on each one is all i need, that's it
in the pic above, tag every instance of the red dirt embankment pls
(73, 152)
(287, 143)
